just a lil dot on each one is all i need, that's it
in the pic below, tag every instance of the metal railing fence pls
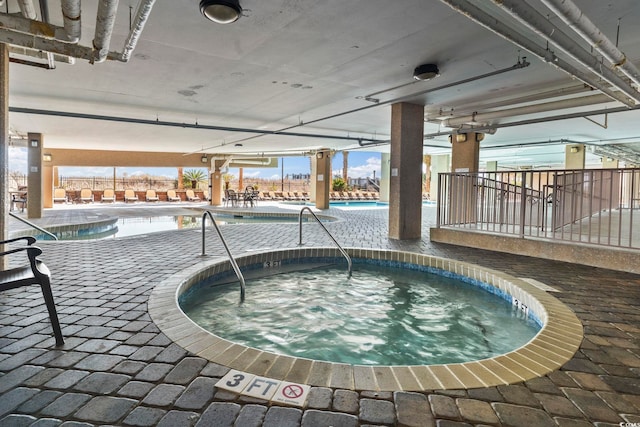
(595, 206)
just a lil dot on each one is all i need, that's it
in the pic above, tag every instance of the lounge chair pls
(86, 195)
(192, 197)
(108, 195)
(33, 273)
(151, 196)
(172, 196)
(60, 195)
(205, 195)
(277, 195)
(130, 196)
(265, 195)
(334, 195)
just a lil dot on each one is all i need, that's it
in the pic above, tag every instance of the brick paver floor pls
(117, 368)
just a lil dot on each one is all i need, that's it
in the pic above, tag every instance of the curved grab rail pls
(234, 264)
(30, 224)
(346, 255)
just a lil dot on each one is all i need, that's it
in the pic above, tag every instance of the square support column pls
(574, 156)
(322, 162)
(405, 181)
(34, 178)
(4, 149)
(217, 182)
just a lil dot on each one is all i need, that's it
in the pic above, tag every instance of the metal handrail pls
(234, 264)
(307, 208)
(30, 224)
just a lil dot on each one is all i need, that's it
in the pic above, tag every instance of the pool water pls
(133, 226)
(380, 316)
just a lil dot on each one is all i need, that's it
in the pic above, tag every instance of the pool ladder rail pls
(32, 225)
(344, 253)
(234, 264)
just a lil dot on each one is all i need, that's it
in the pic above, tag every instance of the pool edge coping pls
(551, 348)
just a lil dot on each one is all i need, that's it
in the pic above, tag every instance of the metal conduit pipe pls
(532, 19)
(508, 33)
(105, 21)
(436, 115)
(529, 109)
(27, 9)
(71, 14)
(564, 116)
(181, 125)
(142, 15)
(582, 25)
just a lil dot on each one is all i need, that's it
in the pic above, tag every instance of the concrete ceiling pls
(308, 67)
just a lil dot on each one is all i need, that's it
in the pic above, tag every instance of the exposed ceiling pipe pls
(481, 118)
(44, 10)
(582, 25)
(71, 15)
(565, 116)
(105, 21)
(532, 19)
(27, 9)
(181, 125)
(498, 27)
(142, 15)
(439, 114)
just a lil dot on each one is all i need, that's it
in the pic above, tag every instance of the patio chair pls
(230, 197)
(86, 195)
(130, 196)
(250, 196)
(34, 273)
(192, 197)
(151, 196)
(60, 195)
(108, 195)
(172, 197)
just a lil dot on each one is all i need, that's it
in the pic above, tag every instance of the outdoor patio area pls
(118, 368)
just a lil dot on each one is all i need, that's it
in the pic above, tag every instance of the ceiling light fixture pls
(221, 11)
(426, 72)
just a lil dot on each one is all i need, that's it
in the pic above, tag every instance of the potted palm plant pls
(194, 176)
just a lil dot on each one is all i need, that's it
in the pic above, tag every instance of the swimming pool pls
(132, 226)
(381, 315)
(554, 345)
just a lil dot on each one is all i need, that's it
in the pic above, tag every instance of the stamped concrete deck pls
(117, 368)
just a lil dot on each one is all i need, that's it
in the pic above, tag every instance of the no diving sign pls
(264, 388)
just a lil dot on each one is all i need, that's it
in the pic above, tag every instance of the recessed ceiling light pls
(426, 72)
(221, 11)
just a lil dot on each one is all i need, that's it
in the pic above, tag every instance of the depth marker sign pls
(264, 388)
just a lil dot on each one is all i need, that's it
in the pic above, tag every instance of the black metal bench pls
(35, 273)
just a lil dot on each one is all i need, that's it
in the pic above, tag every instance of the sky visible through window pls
(361, 165)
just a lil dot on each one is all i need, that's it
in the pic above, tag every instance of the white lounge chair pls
(108, 195)
(130, 196)
(172, 196)
(151, 196)
(60, 195)
(192, 197)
